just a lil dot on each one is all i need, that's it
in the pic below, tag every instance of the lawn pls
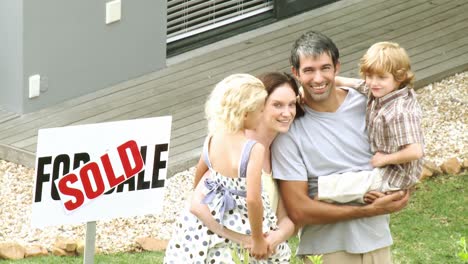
(426, 231)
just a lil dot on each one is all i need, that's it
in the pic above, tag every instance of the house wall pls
(73, 50)
(11, 63)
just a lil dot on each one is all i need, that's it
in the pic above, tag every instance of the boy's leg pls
(386, 188)
(348, 186)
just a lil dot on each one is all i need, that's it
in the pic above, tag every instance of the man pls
(330, 138)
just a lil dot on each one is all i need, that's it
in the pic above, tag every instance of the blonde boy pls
(393, 122)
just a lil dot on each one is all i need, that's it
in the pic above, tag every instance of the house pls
(94, 72)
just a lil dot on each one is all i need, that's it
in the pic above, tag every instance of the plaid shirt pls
(392, 122)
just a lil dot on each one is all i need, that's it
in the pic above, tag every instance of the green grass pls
(426, 231)
(119, 258)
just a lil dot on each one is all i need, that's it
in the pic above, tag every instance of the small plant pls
(316, 259)
(235, 255)
(462, 253)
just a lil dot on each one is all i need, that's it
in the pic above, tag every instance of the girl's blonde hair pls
(231, 99)
(388, 57)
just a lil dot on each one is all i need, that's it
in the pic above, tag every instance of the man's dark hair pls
(314, 44)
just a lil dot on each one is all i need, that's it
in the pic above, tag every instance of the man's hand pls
(386, 204)
(379, 160)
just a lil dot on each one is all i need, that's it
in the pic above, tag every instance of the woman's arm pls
(202, 212)
(285, 229)
(284, 222)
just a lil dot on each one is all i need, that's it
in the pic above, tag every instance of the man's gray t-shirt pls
(320, 144)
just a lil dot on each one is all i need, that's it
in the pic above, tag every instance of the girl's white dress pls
(193, 242)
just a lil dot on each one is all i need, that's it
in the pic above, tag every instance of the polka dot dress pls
(193, 242)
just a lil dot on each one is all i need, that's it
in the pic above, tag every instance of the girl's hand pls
(259, 249)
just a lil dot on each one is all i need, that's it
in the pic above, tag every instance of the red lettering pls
(113, 181)
(90, 176)
(93, 169)
(65, 189)
(133, 147)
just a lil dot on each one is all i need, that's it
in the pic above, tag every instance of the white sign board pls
(100, 171)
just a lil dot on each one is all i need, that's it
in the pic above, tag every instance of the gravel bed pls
(445, 125)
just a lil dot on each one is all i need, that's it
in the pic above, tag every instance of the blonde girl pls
(233, 193)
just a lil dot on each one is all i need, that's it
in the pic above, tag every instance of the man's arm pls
(290, 170)
(303, 210)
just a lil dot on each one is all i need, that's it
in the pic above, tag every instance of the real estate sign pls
(100, 171)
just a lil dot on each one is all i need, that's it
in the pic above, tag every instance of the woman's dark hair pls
(273, 80)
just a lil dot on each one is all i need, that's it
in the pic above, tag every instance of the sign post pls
(90, 243)
(100, 171)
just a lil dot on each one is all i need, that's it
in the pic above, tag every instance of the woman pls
(279, 112)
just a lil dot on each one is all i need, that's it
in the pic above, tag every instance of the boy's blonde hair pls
(387, 57)
(231, 99)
